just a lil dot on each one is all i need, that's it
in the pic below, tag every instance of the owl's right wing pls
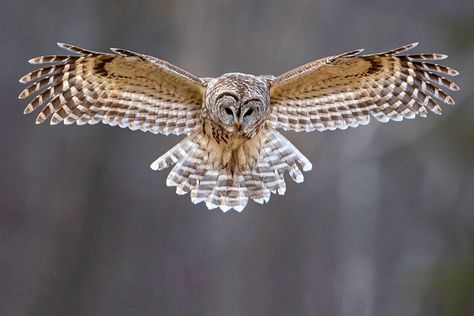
(345, 90)
(121, 88)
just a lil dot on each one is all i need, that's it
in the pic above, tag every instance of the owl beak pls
(237, 126)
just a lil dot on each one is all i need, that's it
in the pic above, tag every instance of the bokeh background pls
(383, 224)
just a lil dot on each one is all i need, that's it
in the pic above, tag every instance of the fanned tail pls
(194, 171)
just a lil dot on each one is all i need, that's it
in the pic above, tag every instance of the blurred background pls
(382, 225)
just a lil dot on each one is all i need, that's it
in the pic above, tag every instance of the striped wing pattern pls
(194, 173)
(121, 88)
(345, 90)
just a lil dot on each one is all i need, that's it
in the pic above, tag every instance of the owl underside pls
(198, 169)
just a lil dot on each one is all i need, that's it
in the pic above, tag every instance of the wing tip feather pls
(123, 52)
(35, 60)
(40, 118)
(24, 79)
(449, 100)
(76, 49)
(453, 72)
(29, 108)
(23, 94)
(408, 46)
(351, 53)
(454, 87)
(438, 56)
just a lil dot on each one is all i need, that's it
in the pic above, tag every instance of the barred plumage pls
(343, 90)
(133, 90)
(232, 152)
(194, 172)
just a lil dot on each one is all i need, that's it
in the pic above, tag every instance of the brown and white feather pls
(124, 88)
(345, 90)
(195, 171)
(218, 164)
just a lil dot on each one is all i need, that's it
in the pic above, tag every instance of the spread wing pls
(121, 88)
(344, 90)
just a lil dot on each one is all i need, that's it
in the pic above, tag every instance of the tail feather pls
(229, 192)
(174, 154)
(195, 172)
(182, 173)
(202, 192)
(256, 189)
(277, 182)
(286, 151)
(219, 192)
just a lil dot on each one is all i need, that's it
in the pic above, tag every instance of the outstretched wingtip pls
(453, 72)
(75, 49)
(34, 61)
(123, 52)
(352, 53)
(408, 46)
(400, 49)
(69, 47)
(24, 94)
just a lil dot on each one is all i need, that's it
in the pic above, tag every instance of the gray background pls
(383, 225)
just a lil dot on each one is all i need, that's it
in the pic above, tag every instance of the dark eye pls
(228, 111)
(249, 112)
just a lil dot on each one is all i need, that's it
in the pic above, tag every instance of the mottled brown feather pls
(125, 89)
(341, 91)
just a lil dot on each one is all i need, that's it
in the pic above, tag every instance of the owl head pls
(238, 102)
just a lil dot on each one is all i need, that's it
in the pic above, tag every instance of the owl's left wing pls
(344, 90)
(121, 88)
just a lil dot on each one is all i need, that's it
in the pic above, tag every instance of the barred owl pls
(233, 151)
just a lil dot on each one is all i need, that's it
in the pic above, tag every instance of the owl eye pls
(226, 103)
(249, 112)
(228, 111)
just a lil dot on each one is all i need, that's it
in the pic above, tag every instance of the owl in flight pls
(233, 151)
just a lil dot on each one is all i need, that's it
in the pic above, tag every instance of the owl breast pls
(234, 151)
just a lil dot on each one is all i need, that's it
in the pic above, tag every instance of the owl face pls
(238, 102)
